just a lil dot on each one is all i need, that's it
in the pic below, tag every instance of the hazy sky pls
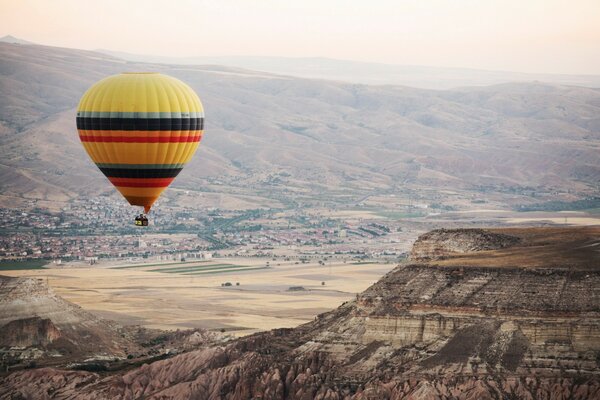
(558, 36)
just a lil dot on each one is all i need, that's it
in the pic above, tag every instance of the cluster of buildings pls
(102, 228)
(349, 241)
(92, 248)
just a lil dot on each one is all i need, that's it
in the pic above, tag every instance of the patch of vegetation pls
(22, 264)
(382, 227)
(91, 367)
(158, 264)
(196, 268)
(221, 271)
(556, 205)
(296, 289)
(400, 214)
(443, 207)
(160, 339)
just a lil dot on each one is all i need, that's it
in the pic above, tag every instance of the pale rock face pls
(33, 316)
(441, 243)
(29, 332)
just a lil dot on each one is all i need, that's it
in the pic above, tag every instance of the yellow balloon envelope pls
(140, 129)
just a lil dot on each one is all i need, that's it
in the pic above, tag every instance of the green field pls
(394, 215)
(196, 268)
(159, 264)
(25, 264)
(223, 271)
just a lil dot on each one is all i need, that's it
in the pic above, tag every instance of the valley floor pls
(181, 296)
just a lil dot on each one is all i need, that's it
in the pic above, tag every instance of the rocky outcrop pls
(421, 332)
(38, 324)
(442, 243)
(38, 327)
(28, 332)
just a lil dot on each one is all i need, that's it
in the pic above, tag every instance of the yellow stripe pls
(140, 153)
(140, 93)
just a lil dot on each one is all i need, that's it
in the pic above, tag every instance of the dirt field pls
(566, 220)
(190, 295)
(576, 248)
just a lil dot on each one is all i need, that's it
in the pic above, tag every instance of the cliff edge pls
(442, 243)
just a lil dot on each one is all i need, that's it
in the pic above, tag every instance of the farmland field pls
(194, 294)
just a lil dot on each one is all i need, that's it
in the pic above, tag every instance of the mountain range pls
(305, 138)
(368, 73)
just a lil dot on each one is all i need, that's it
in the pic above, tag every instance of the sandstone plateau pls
(517, 321)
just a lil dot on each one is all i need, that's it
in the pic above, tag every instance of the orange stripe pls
(141, 182)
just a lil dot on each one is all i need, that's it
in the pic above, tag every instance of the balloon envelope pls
(140, 129)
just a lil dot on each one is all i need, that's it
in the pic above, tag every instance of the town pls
(100, 229)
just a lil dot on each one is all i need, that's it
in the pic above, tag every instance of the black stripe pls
(140, 172)
(140, 124)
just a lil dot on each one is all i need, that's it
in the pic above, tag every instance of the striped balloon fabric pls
(140, 129)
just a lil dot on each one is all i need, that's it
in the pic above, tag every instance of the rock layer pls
(441, 243)
(38, 324)
(29, 332)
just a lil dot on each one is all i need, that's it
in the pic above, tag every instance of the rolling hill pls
(370, 73)
(269, 133)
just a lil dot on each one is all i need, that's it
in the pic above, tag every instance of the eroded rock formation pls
(38, 327)
(441, 243)
(422, 332)
(28, 332)
(40, 324)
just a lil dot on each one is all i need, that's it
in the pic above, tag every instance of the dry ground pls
(179, 300)
(574, 248)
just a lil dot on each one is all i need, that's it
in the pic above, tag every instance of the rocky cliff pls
(442, 243)
(36, 321)
(28, 332)
(38, 327)
(424, 331)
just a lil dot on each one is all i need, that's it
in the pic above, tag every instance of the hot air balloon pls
(140, 129)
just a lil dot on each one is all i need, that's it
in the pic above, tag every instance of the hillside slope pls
(313, 136)
(368, 72)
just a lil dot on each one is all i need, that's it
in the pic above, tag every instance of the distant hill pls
(368, 72)
(297, 138)
(14, 40)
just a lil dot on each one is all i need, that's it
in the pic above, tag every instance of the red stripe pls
(141, 182)
(87, 132)
(147, 139)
